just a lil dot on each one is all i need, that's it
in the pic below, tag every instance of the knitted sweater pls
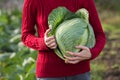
(48, 64)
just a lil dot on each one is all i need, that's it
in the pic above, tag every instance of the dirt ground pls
(111, 57)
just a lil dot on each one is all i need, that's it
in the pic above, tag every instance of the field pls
(19, 61)
(107, 65)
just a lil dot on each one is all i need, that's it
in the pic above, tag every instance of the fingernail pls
(50, 26)
(67, 51)
(66, 61)
(76, 46)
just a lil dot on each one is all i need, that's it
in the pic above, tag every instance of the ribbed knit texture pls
(35, 12)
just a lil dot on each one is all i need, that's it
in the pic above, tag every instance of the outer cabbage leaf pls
(57, 16)
(91, 38)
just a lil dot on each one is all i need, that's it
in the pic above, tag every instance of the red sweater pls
(35, 12)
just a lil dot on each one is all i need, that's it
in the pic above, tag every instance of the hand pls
(77, 57)
(50, 41)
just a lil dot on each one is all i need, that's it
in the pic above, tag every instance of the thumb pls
(47, 31)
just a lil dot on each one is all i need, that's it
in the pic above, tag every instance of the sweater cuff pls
(94, 54)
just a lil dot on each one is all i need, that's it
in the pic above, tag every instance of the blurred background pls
(17, 62)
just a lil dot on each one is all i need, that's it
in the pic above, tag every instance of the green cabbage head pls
(70, 30)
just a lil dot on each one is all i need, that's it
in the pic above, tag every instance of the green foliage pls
(108, 4)
(17, 62)
(111, 28)
(97, 71)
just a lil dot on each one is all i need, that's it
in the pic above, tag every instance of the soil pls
(111, 57)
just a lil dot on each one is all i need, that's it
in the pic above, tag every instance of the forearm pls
(29, 19)
(97, 27)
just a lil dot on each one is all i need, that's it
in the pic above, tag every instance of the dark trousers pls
(84, 76)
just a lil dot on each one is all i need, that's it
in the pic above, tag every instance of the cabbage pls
(70, 29)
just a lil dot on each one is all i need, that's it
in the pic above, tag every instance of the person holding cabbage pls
(69, 36)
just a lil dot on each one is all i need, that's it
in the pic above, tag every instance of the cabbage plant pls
(70, 30)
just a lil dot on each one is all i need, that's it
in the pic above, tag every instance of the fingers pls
(83, 54)
(71, 58)
(81, 47)
(72, 62)
(77, 57)
(85, 51)
(73, 54)
(50, 40)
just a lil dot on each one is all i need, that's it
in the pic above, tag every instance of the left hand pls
(80, 56)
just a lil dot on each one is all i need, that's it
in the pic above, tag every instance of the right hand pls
(49, 40)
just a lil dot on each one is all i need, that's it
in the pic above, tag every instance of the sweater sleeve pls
(29, 18)
(97, 27)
